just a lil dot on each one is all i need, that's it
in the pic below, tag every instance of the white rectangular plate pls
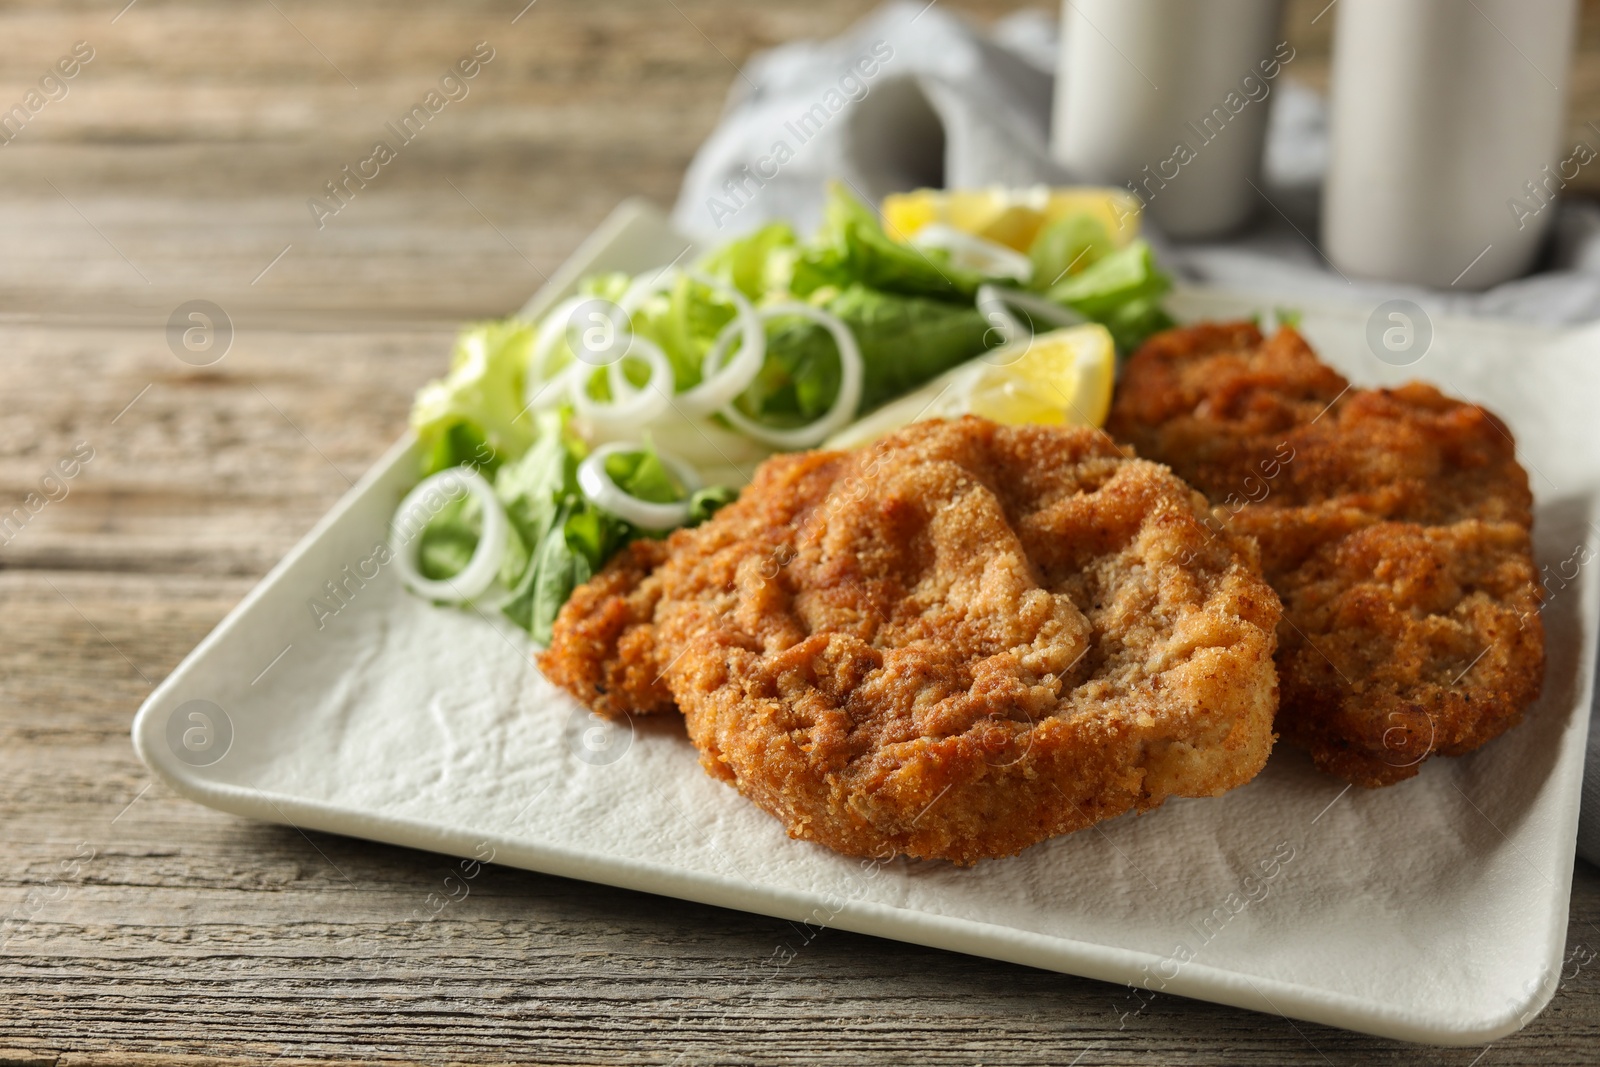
(1435, 910)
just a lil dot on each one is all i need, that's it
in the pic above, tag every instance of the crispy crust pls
(601, 650)
(1394, 523)
(954, 644)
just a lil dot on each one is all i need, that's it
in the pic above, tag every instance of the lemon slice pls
(1063, 377)
(1011, 217)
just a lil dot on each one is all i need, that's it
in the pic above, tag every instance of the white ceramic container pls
(1446, 151)
(1169, 98)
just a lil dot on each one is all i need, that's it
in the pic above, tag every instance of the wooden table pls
(142, 927)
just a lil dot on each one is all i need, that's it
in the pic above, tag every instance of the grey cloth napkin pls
(914, 96)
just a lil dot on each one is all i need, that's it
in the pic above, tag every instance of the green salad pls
(639, 404)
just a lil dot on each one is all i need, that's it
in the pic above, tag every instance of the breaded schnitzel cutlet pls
(956, 642)
(1394, 523)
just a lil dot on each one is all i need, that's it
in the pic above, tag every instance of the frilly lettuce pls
(852, 248)
(1123, 291)
(904, 341)
(758, 263)
(1069, 245)
(475, 412)
(559, 537)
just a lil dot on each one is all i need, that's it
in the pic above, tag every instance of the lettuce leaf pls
(445, 545)
(904, 341)
(1122, 291)
(643, 476)
(559, 538)
(554, 571)
(1131, 323)
(533, 487)
(684, 321)
(852, 248)
(540, 493)
(455, 444)
(474, 413)
(757, 264)
(1066, 246)
(707, 502)
(1125, 275)
(800, 378)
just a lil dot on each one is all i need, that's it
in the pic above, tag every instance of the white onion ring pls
(642, 288)
(718, 384)
(844, 405)
(539, 392)
(720, 454)
(413, 514)
(715, 390)
(630, 406)
(971, 252)
(995, 304)
(599, 487)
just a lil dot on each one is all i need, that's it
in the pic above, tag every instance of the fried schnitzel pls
(1394, 524)
(956, 642)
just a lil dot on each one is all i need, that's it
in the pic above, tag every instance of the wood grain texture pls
(141, 928)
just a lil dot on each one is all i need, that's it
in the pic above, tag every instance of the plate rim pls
(974, 937)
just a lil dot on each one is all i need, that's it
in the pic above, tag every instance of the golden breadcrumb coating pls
(954, 643)
(1394, 523)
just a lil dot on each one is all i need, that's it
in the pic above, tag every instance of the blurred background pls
(194, 137)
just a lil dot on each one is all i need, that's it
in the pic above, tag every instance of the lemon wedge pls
(1011, 217)
(1063, 377)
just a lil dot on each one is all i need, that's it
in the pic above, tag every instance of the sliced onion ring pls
(715, 389)
(413, 514)
(718, 384)
(995, 304)
(971, 252)
(642, 288)
(599, 487)
(539, 392)
(844, 405)
(630, 406)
